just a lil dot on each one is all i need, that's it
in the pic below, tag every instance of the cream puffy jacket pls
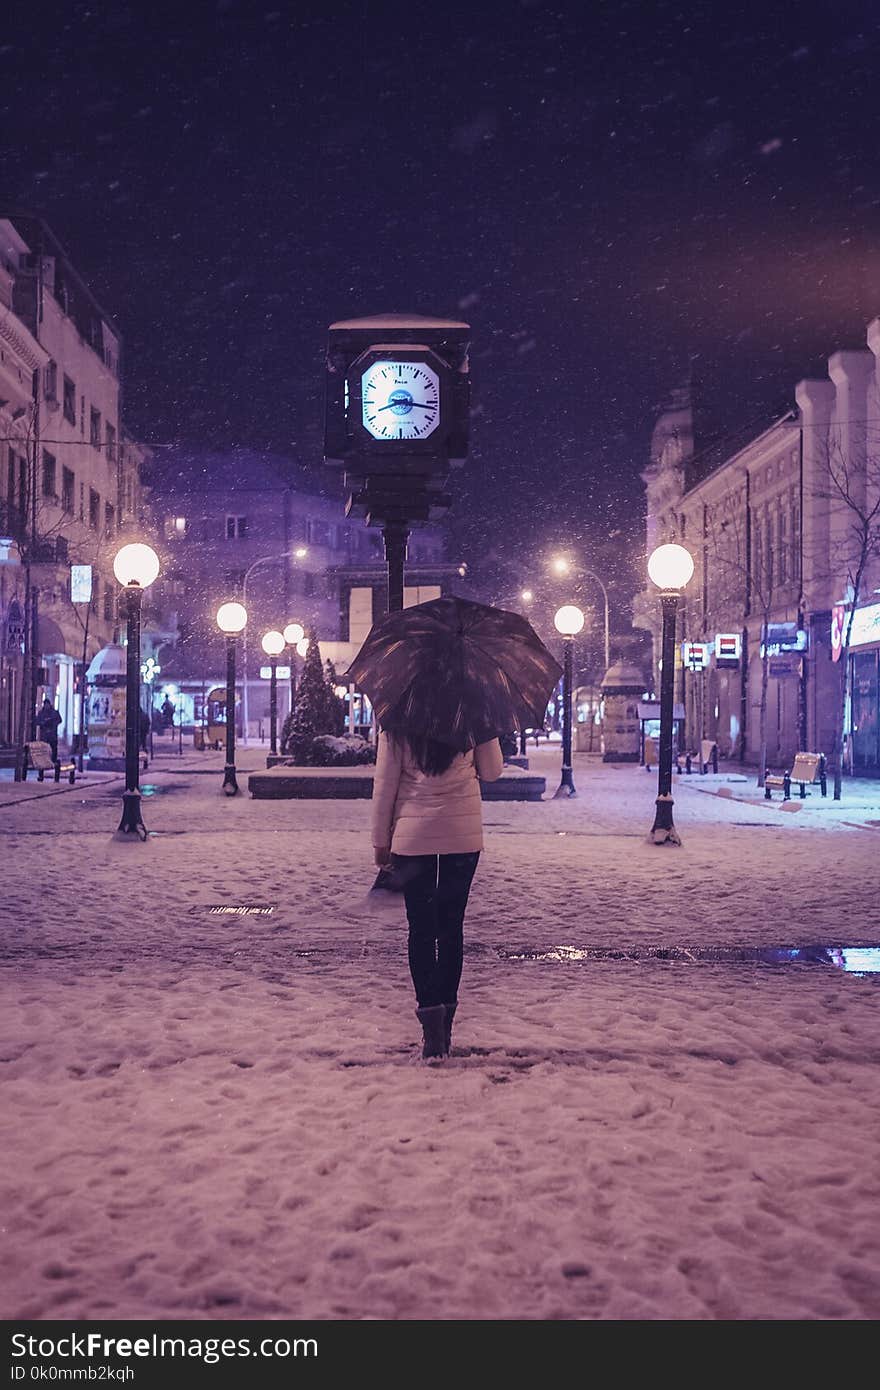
(418, 814)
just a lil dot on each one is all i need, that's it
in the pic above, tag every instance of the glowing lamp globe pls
(293, 633)
(670, 566)
(341, 691)
(302, 646)
(568, 620)
(526, 595)
(273, 643)
(136, 565)
(231, 618)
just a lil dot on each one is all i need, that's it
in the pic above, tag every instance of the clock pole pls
(396, 535)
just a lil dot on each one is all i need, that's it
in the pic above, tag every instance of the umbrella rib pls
(513, 683)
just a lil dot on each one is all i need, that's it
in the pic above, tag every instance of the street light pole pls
(298, 554)
(273, 645)
(568, 621)
(230, 783)
(231, 620)
(562, 567)
(135, 566)
(592, 575)
(669, 567)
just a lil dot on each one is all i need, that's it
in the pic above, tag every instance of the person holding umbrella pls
(445, 678)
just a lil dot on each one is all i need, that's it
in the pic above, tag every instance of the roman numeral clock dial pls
(400, 400)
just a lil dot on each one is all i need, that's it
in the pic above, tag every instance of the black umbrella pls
(455, 671)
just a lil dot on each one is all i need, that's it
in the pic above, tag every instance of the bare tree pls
(746, 569)
(852, 490)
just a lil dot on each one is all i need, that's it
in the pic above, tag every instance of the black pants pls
(436, 888)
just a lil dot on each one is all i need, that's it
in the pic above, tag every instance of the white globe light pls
(561, 565)
(293, 633)
(568, 620)
(136, 564)
(273, 643)
(526, 595)
(670, 566)
(302, 646)
(341, 691)
(231, 618)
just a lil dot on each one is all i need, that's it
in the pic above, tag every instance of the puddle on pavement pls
(857, 960)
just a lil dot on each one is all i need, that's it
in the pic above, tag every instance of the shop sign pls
(787, 665)
(14, 625)
(283, 673)
(695, 655)
(785, 637)
(838, 614)
(728, 648)
(865, 629)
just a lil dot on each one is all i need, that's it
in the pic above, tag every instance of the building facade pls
(771, 517)
(242, 525)
(70, 477)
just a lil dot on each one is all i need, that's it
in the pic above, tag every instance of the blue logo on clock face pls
(401, 402)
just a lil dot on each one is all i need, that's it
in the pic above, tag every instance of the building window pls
(236, 528)
(111, 441)
(175, 528)
(318, 532)
(782, 546)
(95, 428)
(68, 485)
(109, 518)
(94, 509)
(82, 416)
(795, 537)
(50, 381)
(70, 400)
(768, 555)
(96, 585)
(109, 615)
(50, 481)
(308, 584)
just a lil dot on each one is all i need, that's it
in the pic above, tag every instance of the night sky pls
(607, 192)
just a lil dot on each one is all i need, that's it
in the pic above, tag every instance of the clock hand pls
(421, 404)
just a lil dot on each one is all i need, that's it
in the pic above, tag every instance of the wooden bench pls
(39, 757)
(806, 769)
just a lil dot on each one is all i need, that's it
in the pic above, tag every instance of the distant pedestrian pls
(167, 711)
(48, 720)
(144, 729)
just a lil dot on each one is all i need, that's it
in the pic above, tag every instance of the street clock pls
(397, 397)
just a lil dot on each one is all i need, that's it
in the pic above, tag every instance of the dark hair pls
(429, 756)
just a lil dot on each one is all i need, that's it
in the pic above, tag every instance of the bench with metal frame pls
(39, 757)
(806, 770)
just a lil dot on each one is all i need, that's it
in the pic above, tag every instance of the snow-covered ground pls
(209, 1115)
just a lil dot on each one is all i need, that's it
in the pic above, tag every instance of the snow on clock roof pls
(398, 321)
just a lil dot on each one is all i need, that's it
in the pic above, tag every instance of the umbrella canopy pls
(455, 671)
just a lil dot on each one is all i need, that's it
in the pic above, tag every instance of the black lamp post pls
(231, 620)
(568, 621)
(273, 646)
(293, 634)
(136, 566)
(669, 567)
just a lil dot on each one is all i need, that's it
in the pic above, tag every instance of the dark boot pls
(449, 1012)
(433, 1030)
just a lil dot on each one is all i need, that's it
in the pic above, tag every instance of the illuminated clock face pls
(400, 400)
